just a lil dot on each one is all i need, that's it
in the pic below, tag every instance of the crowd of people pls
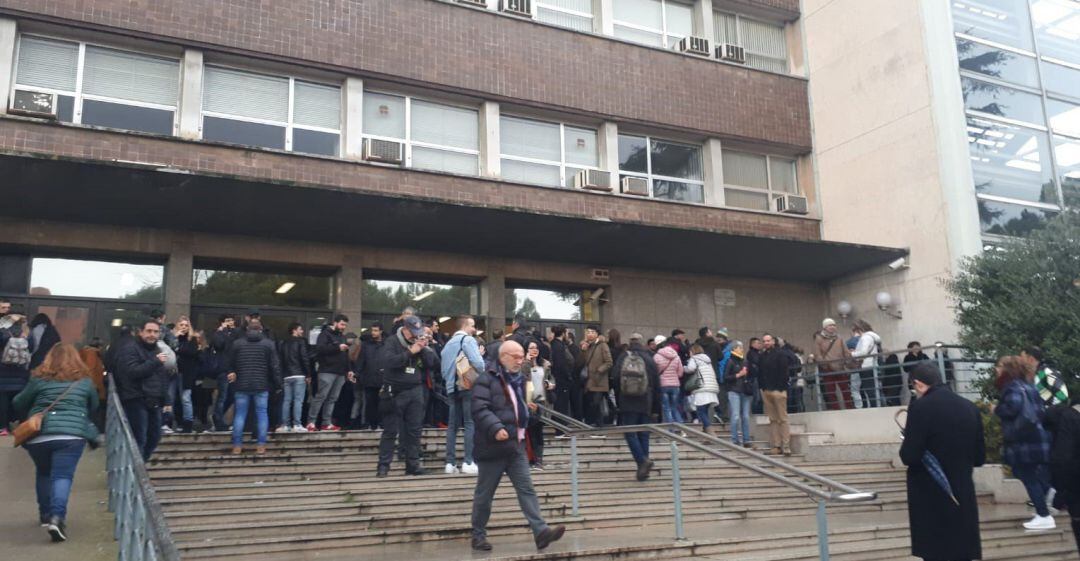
(239, 377)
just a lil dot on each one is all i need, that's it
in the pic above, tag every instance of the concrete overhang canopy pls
(160, 198)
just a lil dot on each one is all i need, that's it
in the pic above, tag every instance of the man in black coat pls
(774, 369)
(255, 371)
(635, 409)
(949, 427)
(1063, 421)
(567, 382)
(401, 362)
(370, 379)
(142, 384)
(332, 352)
(501, 415)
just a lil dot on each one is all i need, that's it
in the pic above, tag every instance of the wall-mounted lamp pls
(844, 309)
(885, 302)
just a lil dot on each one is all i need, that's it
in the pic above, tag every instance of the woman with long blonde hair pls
(61, 388)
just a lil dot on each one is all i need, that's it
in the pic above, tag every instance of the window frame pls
(769, 191)
(408, 142)
(662, 31)
(739, 40)
(78, 95)
(650, 176)
(563, 164)
(290, 125)
(543, 4)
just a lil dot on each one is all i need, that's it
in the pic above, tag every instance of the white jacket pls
(703, 364)
(869, 344)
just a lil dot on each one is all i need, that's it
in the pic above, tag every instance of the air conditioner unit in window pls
(593, 180)
(386, 151)
(731, 53)
(33, 104)
(791, 204)
(694, 46)
(516, 7)
(480, 3)
(635, 186)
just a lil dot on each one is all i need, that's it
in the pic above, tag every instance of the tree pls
(1025, 291)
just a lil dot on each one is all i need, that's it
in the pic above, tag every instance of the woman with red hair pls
(1027, 443)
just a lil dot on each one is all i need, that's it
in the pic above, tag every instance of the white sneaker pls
(166, 429)
(469, 469)
(299, 428)
(451, 469)
(281, 429)
(1041, 523)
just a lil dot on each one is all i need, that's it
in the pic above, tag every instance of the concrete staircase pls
(316, 496)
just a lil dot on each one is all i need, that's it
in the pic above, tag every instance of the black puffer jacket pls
(255, 362)
(139, 373)
(1064, 422)
(492, 411)
(296, 360)
(369, 371)
(332, 360)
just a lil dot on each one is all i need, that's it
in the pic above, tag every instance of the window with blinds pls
(660, 23)
(545, 153)
(572, 14)
(436, 136)
(119, 89)
(752, 180)
(253, 109)
(765, 43)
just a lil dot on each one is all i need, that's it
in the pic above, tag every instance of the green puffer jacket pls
(70, 416)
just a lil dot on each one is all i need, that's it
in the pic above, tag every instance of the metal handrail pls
(140, 522)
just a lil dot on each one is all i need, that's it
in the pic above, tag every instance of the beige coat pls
(597, 358)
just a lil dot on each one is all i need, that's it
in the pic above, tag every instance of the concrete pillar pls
(178, 274)
(349, 288)
(352, 119)
(7, 60)
(608, 146)
(713, 167)
(703, 20)
(493, 302)
(489, 140)
(604, 17)
(191, 86)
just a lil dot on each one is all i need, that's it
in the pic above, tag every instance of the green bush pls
(991, 432)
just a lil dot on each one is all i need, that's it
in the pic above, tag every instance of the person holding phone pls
(402, 362)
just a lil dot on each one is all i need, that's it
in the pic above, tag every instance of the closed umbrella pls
(930, 463)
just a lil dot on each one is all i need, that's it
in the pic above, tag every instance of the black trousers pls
(371, 418)
(403, 414)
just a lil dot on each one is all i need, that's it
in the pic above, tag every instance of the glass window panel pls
(317, 105)
(14, 274)
(581, 146)
(676, 160)
(443, 160)
(316, 142)
(584, 6)
(563, 19)
(568, 180)
(96, 279)
(246, 288)
(72, 322)
(646, 13)
(638, 36)
(766, 63)
(725, 26)
(529, 139)
(527, 172)
(1010, 161)
(384, 115)
(131, 76)
(782, 175)
(1067, 153)
(127, 117)
(1001, 101)
(746, 199)
(243, 132)
(1006, 219)
(391, 297)
(679, 191)
(1061, 79)
(65, 108)
(1001, 21)
(46, 63)
(544, 304)
(763, 38)
(1064, 117)
(747, 170)
(445, 125)
(1057, 28)
(1003, 65)
(680, 18)
(633, 154)
(246, 94)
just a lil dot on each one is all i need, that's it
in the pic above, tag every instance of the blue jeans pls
(145, 424)
(168, 417)
(225, 396)
(55, 463)
(262, 420)
(702, 413)
(1036, 479)
(186, 406)
(739, 411)
(637, 441)
(670, 405)
(460, 410)
(295, 392)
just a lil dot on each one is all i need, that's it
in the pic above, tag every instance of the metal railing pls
(677, 433)
(140, 525)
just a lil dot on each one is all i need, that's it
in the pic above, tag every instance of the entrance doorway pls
(277, 320)
(81, 321)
